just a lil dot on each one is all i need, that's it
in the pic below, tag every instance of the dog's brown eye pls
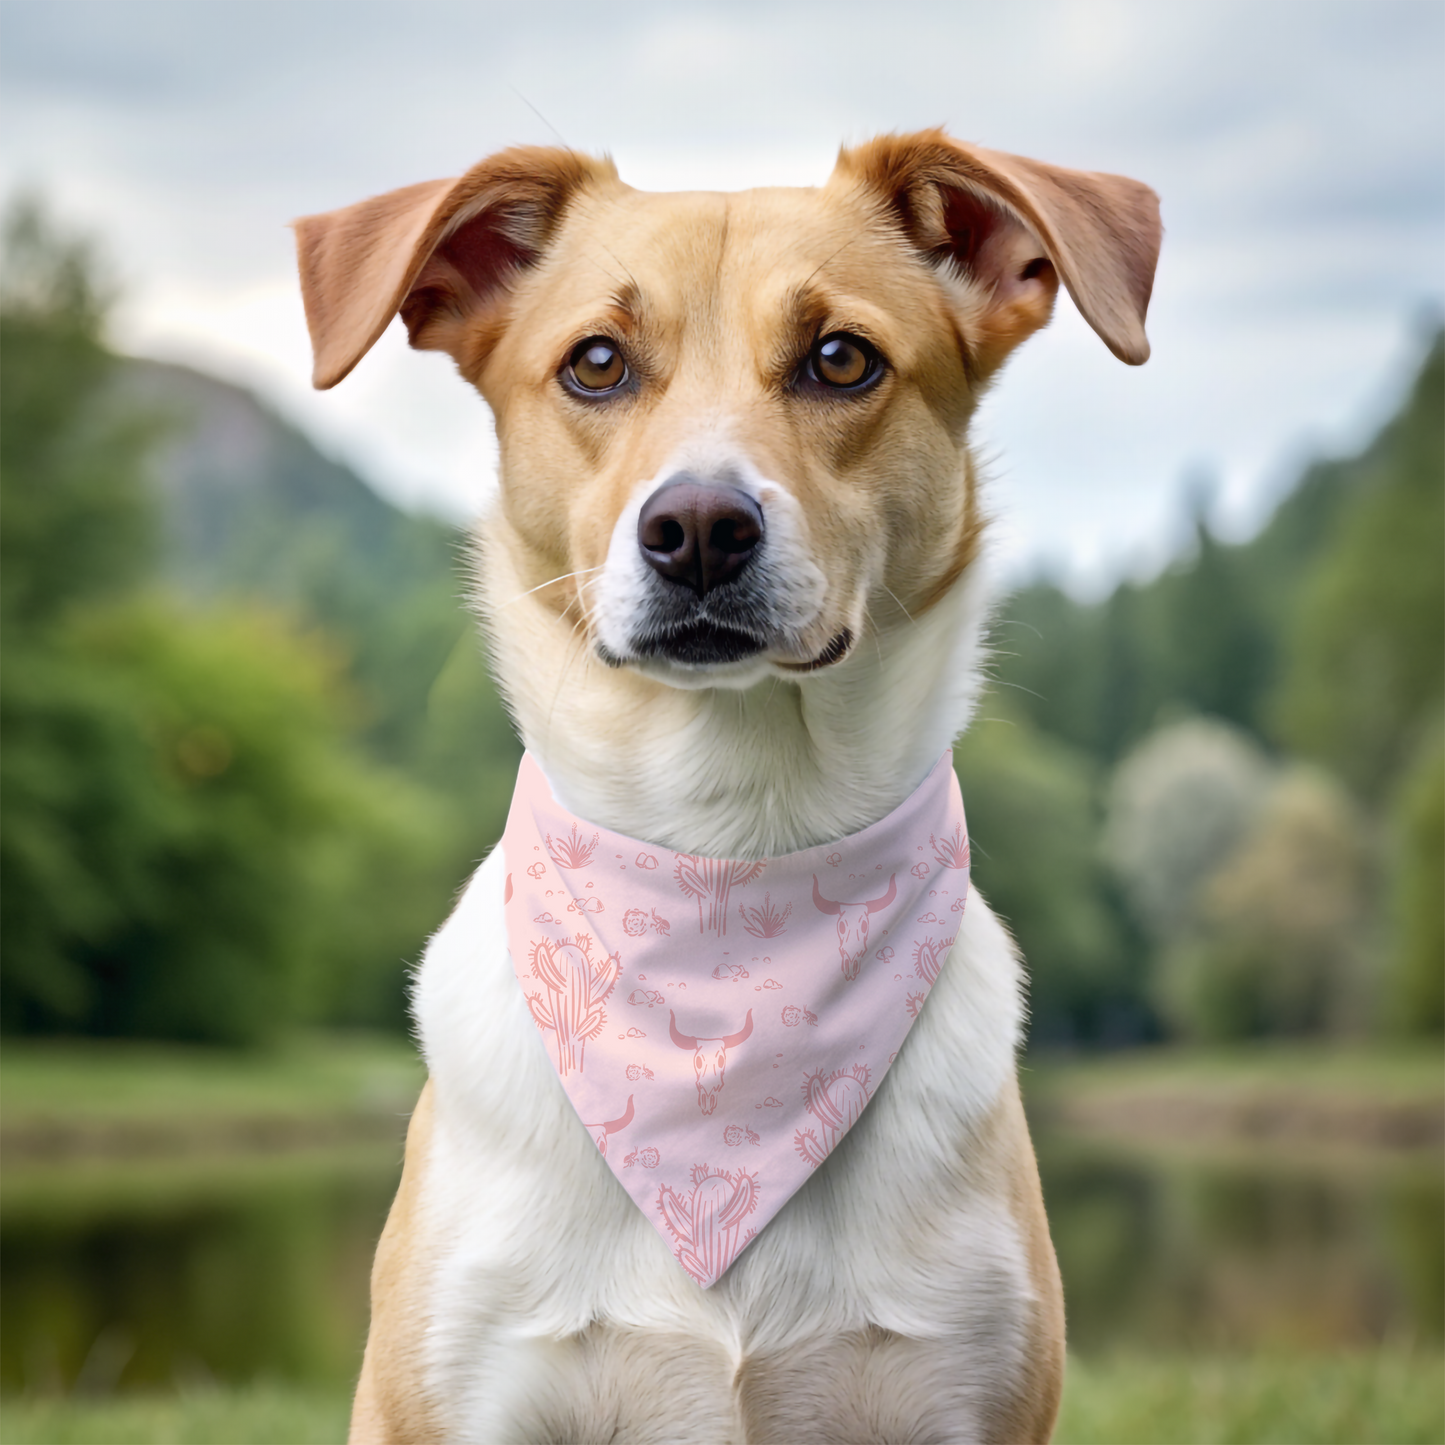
(843, 361)
(596, 365)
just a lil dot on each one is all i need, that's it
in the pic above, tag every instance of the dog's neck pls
(738, 773)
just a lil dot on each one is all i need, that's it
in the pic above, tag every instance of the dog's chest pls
(554, 1304)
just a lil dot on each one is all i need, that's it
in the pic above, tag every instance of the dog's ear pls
(441, 253)
(1015, 228)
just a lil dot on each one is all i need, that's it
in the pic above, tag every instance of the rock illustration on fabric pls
(577, 985)
(649, 996)
(765, 921)
(599, 1132)
(928, 957)
(711, 881)
(952, 851)
(732, 971)
(571, 851)
(835, 1102)
(709, 1058)
(853, 922)
(706, 1222)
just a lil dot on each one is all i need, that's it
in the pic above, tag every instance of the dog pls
(768, 658)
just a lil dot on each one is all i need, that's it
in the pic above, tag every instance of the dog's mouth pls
(704, 644)
(699, 644)
(835, 651)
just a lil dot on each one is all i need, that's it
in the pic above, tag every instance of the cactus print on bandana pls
(719, 1025)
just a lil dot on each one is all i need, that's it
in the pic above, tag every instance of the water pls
(143, 1277)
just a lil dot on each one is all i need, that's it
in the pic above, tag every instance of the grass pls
(260, 1415)
(95, 1125)
(1391, 1398)
(1319, 1097)
(118, 1084)
(1391, 1071)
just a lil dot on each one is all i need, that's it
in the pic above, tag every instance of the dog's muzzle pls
(705, 606)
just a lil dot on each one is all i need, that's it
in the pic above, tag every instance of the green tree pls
(1416, 997)
(191, 843)
(1032, 812)
(1366, 670)
(76, 522)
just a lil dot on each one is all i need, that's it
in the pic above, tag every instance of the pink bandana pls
(719, 1026)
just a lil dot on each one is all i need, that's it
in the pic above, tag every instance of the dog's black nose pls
(698, 533)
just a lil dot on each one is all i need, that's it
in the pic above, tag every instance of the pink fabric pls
(719, 1026)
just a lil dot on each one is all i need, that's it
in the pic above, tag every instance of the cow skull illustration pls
(853, 922)
(709, 1058)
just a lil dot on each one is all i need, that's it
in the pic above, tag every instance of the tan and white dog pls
(735, 598)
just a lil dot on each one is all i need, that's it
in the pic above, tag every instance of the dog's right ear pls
(441, 253)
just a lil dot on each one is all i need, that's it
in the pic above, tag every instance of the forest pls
(251, 748)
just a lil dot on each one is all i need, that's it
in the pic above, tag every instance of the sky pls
(1298, 147)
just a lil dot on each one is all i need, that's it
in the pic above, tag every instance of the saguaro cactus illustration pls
(706, 1221)
(711, 881)
(577, 986)
(835, 1101)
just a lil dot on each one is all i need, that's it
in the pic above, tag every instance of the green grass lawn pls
(122, 1084)
(1388, 1071)
(1384, 1399)
(264, 1415)
(1386, 1098)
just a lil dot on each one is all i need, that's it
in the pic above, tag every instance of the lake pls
(147, 1275)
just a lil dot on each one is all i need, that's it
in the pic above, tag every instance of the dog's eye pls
(843, 362)
(596, 365)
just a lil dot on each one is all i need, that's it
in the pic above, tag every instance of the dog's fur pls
(909, 1290)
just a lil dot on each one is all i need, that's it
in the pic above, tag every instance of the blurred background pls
(251, 749)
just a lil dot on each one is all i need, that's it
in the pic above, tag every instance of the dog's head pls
(733, 427)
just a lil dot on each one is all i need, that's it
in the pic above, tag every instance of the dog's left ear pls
(441, 253)
(1015, 227)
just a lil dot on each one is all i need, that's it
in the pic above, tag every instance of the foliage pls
(1366, 655)
(75, 520)
(1416, 1000)
(1325, 634)
(1033, 825)
(189, 843)
(1274, 941)
(1179, 803)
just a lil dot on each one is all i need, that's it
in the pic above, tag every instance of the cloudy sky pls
(1298, 147)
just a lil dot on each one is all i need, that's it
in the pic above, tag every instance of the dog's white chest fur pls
(550, 1278)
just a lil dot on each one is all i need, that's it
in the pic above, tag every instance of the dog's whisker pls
(581, 571)
(901, 607)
